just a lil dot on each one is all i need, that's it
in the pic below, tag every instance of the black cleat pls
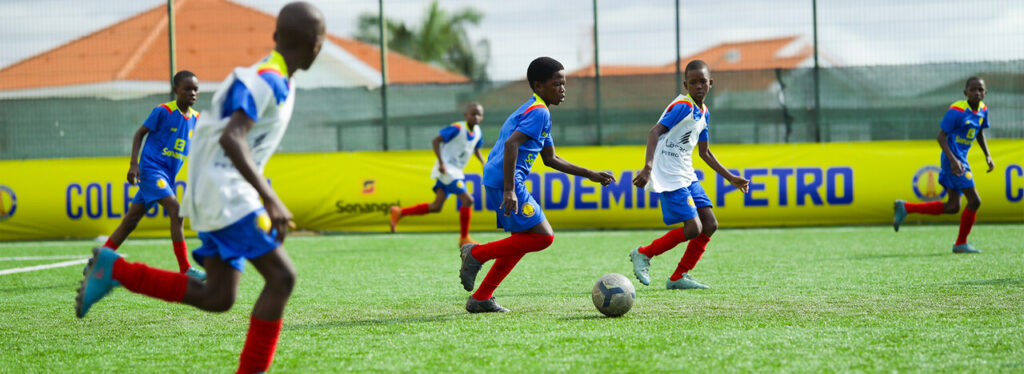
(484, 306)
(470, 267)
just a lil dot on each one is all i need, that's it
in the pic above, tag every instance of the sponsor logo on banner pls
(8, 202)
(369, 186)
(926, 184)
(362, 207)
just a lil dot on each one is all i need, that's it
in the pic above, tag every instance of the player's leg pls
(440, 196)
(398, 212)
(676, 206)
(265, 323)
(680, 278)
(465, 212)
(967, 219)
(128, 224)
(170, 205)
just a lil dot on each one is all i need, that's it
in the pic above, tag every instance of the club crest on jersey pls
(926, 184)
(161, 183)
(528, 210)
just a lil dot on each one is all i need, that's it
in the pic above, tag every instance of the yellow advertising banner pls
(791, 185)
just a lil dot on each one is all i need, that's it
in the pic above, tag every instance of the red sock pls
(139, 278)
(966, 223)
(664, 243)
(181, 252)
(517, 244)
(464, 214)
(260, 344)
(693, 252)
(111, 245)
(934, 207)
(416, 210)
(502, 266)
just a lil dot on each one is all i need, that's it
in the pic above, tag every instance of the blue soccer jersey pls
(961, 125)
(532, 119)
(167, 142)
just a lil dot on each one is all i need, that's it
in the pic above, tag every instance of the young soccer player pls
(167, 130)
(668, 170)
(965, 121)
(233, 143)
(525, 133)
(453, 148)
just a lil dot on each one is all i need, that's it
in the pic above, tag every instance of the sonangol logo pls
(926, 184)
(8, 203)
(369, 186)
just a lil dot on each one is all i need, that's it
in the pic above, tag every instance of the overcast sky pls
(638, 32)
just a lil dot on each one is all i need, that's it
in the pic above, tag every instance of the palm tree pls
(441, 39)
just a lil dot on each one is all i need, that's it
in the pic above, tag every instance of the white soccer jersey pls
(217, 195)
(673, 156)
(456, 154)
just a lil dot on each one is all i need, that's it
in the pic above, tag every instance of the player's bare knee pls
(709, 228)
(435, 207)
(974, 204)
(692, 228)
(467, 200)
(951, 208)
(282, 282)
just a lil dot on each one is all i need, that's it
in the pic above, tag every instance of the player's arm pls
(954, 163)
(552, 160)
(704, 148)
(984, 148)
(237, 149)
(133, 166)
(652, 143)
(509, 202)
(479, 156)
(436, 144)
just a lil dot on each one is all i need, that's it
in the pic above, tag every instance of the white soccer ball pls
(614, 295)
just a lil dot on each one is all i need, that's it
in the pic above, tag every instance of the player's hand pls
(641, 178)
(133, 174)
(739, 182)
(956, 167)
(509, 204)
(280, 217)
(441, 169)
(603, 177)
(991, 164)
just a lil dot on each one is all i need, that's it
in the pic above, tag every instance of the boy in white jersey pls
(453, 147)
(668, 170)
(232, 144)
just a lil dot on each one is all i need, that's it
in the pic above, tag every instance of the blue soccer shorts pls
(528, 215)
(248, 238)
(456, 187)
(681, 205)
(153, 186)
(951, 181)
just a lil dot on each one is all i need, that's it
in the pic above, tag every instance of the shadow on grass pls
(895, 255)
(376, 321)
(995, 282)
(582, 318)
(38, 288)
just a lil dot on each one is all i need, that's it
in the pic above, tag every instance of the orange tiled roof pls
(746, 55)
(213, 37)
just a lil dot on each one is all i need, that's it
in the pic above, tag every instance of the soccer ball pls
(614, 295)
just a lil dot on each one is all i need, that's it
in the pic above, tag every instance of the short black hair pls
(696, 65)
(541, 69)
(181, 75)
(972, 79)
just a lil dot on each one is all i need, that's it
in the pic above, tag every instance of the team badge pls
(263, 222)
(174, 129)
(190, 133)
(690, 201)
(8, 203)
(926, 184)
(528, 210)
(968, 175)
(459, 184)
(161, 183)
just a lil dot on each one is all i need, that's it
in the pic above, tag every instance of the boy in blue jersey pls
(168, 131)
(453, 147)
(964, 122)
(237, 214)
(668, 170)
(525, 134)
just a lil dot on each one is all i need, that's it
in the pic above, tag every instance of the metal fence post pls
(383, 78)
(597, 80)
(817, 75)
(172, 60)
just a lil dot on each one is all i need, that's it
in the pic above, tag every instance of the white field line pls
(44, 267)
(29, 258)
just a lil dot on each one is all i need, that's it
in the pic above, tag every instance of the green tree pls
(440, 39)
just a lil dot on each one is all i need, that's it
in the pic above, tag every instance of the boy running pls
(250, 113)
(965, 121)
(525, 133)
(453, 148)
(668, 170)
(167, 130)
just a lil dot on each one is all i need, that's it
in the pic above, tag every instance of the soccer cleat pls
(194, 272)
(899, 214)
(685, 283)
(470, 267)
(641, 266)
(466, 240)
(396, 214)
(965, 248)
(484, 306)
(97, 282)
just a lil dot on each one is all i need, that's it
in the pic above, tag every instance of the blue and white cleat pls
(965, 248)
(97, 282)
(194, 272)
(899, 214)
(685, 283)
(641, 266)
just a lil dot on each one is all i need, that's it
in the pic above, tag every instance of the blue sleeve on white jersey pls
(239, 98)
(278, 84)
(674, 114)
(448, 133)
(703, 137)
(533, 123)
(951, 121)
(153, 121)
(480, 143)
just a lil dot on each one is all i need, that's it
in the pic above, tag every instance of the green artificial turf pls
(841, 299)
